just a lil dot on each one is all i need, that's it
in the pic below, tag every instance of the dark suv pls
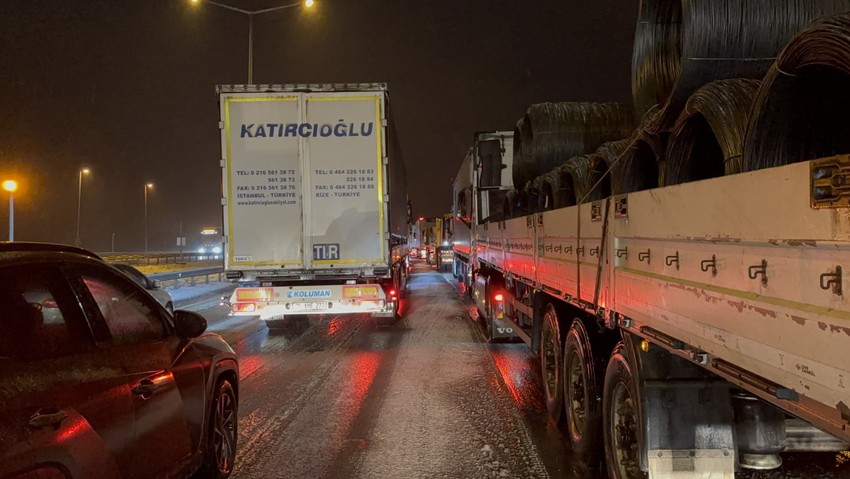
(98, 380)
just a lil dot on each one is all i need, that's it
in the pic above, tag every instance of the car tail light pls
(499, 297)
(392, 292)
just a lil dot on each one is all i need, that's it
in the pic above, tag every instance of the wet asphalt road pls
(427, 397)
(424, 398)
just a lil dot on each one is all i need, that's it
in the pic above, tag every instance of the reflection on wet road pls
(426, 397)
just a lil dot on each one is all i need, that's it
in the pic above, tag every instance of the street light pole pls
(84, 171)
(11, 216)
(147, 187)
(250, 14)
(11, 186)
(251, 49)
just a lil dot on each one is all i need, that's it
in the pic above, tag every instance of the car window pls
(33, 319)
(129, 314)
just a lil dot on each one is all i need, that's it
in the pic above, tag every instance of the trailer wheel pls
(551, 362)
(621, 419)
(581, 395)
(486, 316)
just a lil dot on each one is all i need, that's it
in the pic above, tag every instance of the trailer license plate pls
(314, 306)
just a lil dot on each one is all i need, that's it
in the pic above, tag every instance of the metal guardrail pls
(158, 258)
(191, 276)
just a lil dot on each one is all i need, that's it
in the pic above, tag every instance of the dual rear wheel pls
(596, 399)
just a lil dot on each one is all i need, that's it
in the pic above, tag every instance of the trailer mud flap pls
(690, 429)
(695, 463)
(502, 329)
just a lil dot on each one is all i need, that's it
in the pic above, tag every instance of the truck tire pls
(551, 362)
(582, 398)
(487, 316)
(620, 418)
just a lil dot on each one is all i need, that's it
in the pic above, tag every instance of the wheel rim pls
(577, 396)
(624, 433)
(224, 432)
(550, 364)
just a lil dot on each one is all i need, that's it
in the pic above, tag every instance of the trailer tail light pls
(392, 292)
(243, 307)
(499, 305)
(254, 294)
(360, 291)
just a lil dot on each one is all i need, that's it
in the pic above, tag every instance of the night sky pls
(127, 88)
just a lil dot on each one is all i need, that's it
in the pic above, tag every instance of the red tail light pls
(244, 307)
(393, 292)
(499, 297)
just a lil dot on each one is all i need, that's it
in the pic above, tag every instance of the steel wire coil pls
(551, 133)
(574, 177)
(580, 179)
(708, 138)
(681, 45)
(509, 207)
(639, 166)
(529, 197)
(536, 191)
(800, 108)
(603, 166)
(549, 186)
(523, 137)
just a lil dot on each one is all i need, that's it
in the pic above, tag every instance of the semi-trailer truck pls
(313, 199)
(683, 331)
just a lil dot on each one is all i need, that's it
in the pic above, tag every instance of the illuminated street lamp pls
(148, 186)
(11, 186)
(251, 14)
(83, 171)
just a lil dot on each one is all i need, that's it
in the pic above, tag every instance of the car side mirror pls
(156, 284)
(189, 324)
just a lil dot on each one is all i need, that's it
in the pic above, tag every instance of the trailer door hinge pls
(596, 212)
(830, 181)
(224, 202)
(386, 198)
(222, 163)
(621, 207)
(220, 125)
(386, 160)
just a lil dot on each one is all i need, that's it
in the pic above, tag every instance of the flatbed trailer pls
(677, 327)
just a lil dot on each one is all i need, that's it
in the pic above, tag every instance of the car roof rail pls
(26, 246)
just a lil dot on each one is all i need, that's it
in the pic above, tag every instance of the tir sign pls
(328, 251)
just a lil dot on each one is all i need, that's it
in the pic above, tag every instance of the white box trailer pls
(307, 202)
(680, 328)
